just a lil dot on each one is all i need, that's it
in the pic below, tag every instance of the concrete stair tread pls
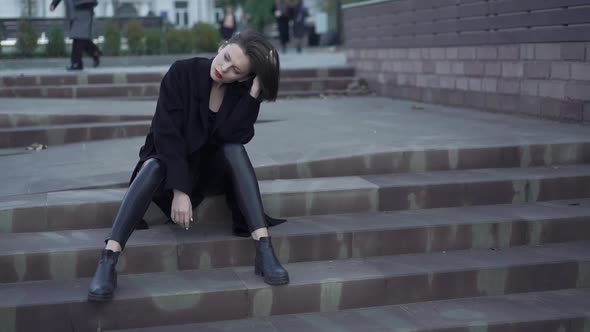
(73, 254)
(75, 126)
(525, 312)
(561, 210)
(157, 83)
(321, 184)
(320, 196)
(242, 279)
(150, 75)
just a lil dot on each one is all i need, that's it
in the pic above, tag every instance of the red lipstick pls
(218, 74)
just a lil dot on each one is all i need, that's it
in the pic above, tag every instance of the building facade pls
(183, 13)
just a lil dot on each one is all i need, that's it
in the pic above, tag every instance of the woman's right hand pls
(182, 209)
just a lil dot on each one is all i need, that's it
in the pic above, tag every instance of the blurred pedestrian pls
(228, 23)
(281, 13)
(300, 14)
(80, 16)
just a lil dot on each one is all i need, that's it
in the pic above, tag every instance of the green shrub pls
(56, 45)
(135, 34)
(179, 41)
(112, 39)
(153, 42)
(207, 37)
(26, 39)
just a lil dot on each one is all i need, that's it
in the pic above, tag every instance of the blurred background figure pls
(228, 23)
(281, 12)
(80, 16)
(300, 14)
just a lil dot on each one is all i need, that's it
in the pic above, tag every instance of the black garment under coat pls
(180, 131)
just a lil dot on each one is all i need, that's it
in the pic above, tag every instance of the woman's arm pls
(242, 119)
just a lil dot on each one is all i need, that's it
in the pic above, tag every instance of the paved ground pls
(310, 59)
(288, 130)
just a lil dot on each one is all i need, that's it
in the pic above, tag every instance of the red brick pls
(493, 69)
(578, 90)
(508, 52)
(487, 53)
(509, 86)
(560, 70)
(547, 51)
(512, 69)
(537, 69)
(580, 71)
(529, 87)
(552, 89)
(571, 111)
(467, 53)
(573, 51)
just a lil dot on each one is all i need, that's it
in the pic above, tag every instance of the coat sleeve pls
(242, 121)
(168, 124)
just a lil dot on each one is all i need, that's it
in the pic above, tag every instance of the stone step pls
(73, 254)
(355, 160)
(70, 210)
(16, 120)
(156, 299)
(71, 133)
(84, 78)
(566, 310)
(134, 90)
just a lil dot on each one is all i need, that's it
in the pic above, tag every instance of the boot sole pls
(99, 298)
(272, 282)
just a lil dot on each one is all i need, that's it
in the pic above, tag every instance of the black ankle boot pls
(104, 282)
(75, 66)
(267, 265)
(96, 58)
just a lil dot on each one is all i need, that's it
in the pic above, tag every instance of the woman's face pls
(230, 64)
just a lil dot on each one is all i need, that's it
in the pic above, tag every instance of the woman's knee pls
(233, 149)
(153, 165)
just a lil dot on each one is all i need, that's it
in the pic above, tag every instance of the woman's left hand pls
(255, 89)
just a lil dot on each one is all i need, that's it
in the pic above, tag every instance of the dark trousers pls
(225, 168)
(80, 46)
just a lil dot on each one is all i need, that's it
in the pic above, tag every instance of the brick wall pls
(546, 79)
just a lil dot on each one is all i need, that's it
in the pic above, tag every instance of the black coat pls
(180, 128)
(180, 131)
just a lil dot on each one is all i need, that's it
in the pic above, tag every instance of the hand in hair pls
(255, 89)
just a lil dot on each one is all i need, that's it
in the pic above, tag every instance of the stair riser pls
(306, 201)
(184, 255)
(146, 90)
(314, 297)
(27, 120)
(432, 160)
(482, 193)
(59, 136)
(55, 80)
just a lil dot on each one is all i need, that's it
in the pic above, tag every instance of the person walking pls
(280, 10)
(228, 23)
(80, 16)
(300, 14)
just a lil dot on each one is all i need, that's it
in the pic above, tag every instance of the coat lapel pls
(227, 104)
(204, 87)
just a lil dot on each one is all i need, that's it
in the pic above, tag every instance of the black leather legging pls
(233, 161)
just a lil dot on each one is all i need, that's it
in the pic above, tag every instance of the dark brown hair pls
(264, 61)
